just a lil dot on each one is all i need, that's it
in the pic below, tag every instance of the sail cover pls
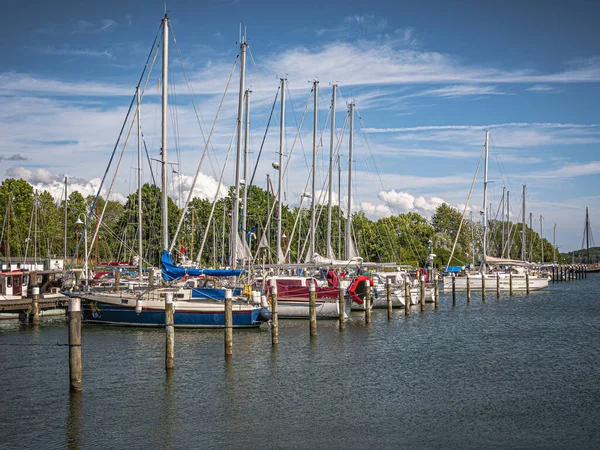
(171, 271)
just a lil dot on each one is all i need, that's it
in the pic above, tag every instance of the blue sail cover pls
(453, 269)
(171, 271)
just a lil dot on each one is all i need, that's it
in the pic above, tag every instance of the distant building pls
(20, 263)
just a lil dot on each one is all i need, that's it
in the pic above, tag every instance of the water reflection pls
(73, 421)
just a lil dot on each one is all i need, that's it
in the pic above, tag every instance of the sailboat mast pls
(339, 164)
(280, 169)
(139, 155)
(246, 148)
(587, 234)
(349, 221)
(313, 205)
(554, 244)
(508, 225)
(523, 253)
(502, 217)
(485, 183)
(165, 77)
(65, 228)
(235, 221)
(330, 190)
(542, 236)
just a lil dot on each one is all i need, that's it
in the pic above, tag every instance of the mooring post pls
(483, 287)
(312, 307)
(75, 366)
(151, 278)
(585, 271)
(406, 298)
(468, 288)
(342, 305)
(169, 331)
(368, 303)
(422, 286)
(274, 315)
(527, 282)
(453, 289)
(35, 305)
(498, 285)
(510, 283)
(118, 280)
(228, 323)
(388, 294)
(435, 290)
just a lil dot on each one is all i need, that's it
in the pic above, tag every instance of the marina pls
(518, 371)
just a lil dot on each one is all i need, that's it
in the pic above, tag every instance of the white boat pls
(519, 281)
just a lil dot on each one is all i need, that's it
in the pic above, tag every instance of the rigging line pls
(133, 98)
(199, 116)
(465, 209)
(212, 210)
(301, 122)
(206, 147)
(264, 136)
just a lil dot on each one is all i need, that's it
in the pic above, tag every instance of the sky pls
(428, 79)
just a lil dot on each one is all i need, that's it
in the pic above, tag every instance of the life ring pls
(352, 290)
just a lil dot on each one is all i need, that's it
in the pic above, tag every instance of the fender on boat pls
(354, 286)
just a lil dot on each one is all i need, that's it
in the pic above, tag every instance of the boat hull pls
(188, 314)
(519, 283)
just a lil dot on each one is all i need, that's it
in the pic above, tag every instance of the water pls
(521, 372)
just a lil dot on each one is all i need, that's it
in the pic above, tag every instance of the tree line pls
(34, 226)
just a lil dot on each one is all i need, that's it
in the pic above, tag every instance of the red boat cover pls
(352, 290)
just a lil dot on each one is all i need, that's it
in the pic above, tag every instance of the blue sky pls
(428, 78)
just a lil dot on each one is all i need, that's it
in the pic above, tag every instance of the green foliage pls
(403, 238)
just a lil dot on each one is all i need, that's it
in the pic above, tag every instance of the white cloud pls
(570, 171)
(403, 202)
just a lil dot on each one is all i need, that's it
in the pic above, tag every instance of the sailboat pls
(200, 305)
(515, 274)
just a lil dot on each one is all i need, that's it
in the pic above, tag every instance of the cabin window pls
(25, 280)
(124, 302)
(179, 295)
(190, 284)
(17, 281)
(9, 282)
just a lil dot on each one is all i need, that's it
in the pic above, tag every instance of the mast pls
(313, 205)
(246, 148)
(65, 228)
(235, 221)
(508, 225)
(554, 244)
(349, 221)
(165, 77)
(485, 183)
(587, 234)
(523, 242)
(268, 229)
(502, 217)
(280, 169)
(331, 150)
(139, 155)
(339, 207)
(542, 236)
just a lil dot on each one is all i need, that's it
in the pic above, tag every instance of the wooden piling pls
(169, 331)
(406, 298)
(498, 285)
(117, 280)
(435, 290)
(468, 288)
(527, 282)
(342, 306)
(228, 323)
(585, 271)
(368, 304)
(274, 316)
(453, 289)
(483, 287)
(75, 366)
(510, 283)
(312, 307)
(388, 293)
(35, 305)
(422, 286)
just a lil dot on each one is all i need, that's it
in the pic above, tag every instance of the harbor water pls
(514, 372)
